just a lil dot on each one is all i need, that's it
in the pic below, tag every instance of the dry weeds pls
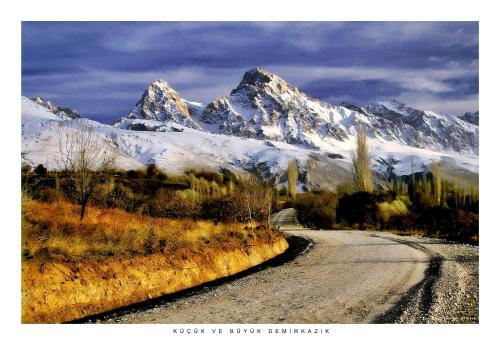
(72, 268)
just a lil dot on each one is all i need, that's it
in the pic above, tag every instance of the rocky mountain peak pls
(395, 104)
(258, 79)
(39, 100)
(161, 86)
(157, 96)
(400, 108)
(257, 76)
(47, 104)
(161, 83)
(159, 103)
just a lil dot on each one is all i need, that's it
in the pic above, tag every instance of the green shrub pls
(360, 208)
(386, 210)
(316, 210)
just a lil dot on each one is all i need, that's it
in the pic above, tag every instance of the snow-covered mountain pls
(185, 147)
(159, 104)
(62, 112)
(426, 129)
(262, 124)
(264, 106)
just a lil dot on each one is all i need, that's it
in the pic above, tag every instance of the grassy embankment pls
(72, 269)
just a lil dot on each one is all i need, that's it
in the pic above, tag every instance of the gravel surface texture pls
(341, 277)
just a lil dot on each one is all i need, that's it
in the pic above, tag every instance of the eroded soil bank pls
(58, 290)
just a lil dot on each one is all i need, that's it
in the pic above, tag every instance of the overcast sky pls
(102, 68)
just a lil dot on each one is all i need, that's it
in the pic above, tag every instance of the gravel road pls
(344, 277)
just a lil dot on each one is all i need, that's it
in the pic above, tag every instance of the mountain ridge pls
(262, 124)
(266, 107)
(180, 148)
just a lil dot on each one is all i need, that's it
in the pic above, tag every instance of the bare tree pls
(267, 204)
(361, 163)
(249, 185)
(293, 172)
(257, 197)
(84, 156)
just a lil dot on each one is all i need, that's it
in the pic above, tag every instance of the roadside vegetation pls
(138, 212)
(143, 234)
(95, 238)
(197, 195)
(421, 203)
(54, 230)
(73, 268)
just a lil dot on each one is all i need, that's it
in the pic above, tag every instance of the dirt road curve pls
(344, 277)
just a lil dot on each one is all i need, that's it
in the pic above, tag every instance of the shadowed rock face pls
(65, 113)
(471, 118)
(255, 77)
(258, 80)
(217, 111)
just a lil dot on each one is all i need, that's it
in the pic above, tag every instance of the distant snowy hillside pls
(423, 128)
(40, 130)
(62, 112)
(181, 147)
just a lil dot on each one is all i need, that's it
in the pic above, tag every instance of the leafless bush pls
(257, 198)
(84, 156)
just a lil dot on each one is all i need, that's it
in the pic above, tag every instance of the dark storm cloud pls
(369, 90)
(102, 68)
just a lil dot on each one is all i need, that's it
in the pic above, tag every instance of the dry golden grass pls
(72, 268)
(394, 208)
(56, 229)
